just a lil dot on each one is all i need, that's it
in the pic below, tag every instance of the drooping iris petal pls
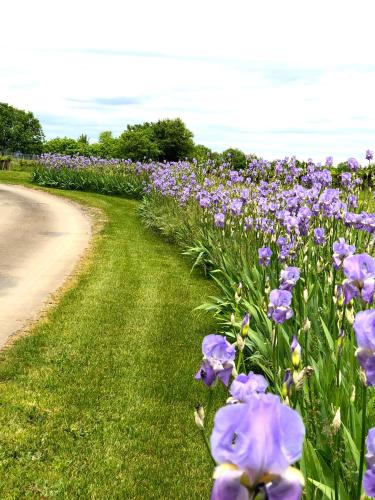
(228, 486)
(364, 328)
(369, 483)
(288, 487)
(206, 373)
(369, 477)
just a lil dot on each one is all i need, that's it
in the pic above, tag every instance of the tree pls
(62, 145)
(201, 153)
(108, 145)
(20, 131)
(174, 140)
(235, 157)
(138, 144)
(83, 139)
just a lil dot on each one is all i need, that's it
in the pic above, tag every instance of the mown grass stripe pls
(97, 402)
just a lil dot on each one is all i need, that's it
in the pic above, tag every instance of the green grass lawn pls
(97, 401)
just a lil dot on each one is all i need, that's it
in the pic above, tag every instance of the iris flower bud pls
(245, 325)
(199, 416)
(306, 325)
(237, 295)
(240, 343)
(340, 340)
(286, 388)
(295, 349)
(336, 422)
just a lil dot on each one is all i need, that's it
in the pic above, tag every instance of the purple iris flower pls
(346, 179)
(264, 255)
(352, 201)
(279, 305)
(359, 271)
(369, 477)
(319, 236)
(254, 444)
(220, 220)
(364, 327)
(249, 222)
(341, 249)
(205, 202)
(289, 277)
(329, 161)
(245, 386)
(353, 164)
(218, 360)
(281, 241)
(236, 207)
(369, 155)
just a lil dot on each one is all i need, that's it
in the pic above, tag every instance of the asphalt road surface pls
(41, 240)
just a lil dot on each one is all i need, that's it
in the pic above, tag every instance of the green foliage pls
(5, 162)
(138, 143)
(174, 140)
(235, 157)
(20, 131)
(64, 146)
(201, 153)
(164, 140)
(106, 181)
(107, 147)
(83, 139)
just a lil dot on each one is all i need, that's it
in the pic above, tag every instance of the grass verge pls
(97, 401)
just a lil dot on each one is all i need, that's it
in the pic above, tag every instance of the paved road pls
(41, 240)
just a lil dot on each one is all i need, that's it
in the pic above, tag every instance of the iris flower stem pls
(363, 439)
(331, 315)
(207, 444)
(274, 344)
(240, 362)
(335, 466)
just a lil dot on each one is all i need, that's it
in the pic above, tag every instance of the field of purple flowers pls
(291, 250)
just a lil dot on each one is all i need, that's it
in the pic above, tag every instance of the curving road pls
(41, 240)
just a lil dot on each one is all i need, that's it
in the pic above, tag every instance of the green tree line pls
(168, 139)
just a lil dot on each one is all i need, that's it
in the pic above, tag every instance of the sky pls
(275, 78)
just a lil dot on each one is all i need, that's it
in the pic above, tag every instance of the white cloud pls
(274, 78)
